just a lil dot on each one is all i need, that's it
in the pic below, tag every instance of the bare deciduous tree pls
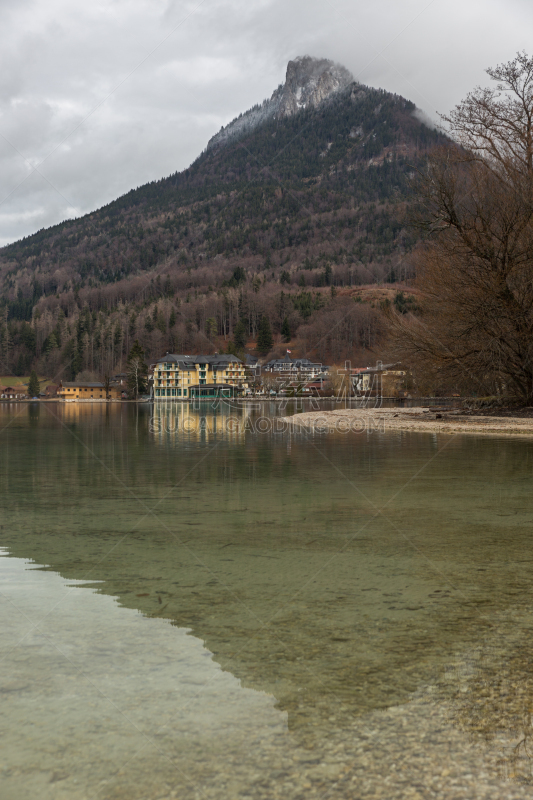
(476, 269)
(340, 381)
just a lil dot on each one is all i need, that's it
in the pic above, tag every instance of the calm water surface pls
(192, 608)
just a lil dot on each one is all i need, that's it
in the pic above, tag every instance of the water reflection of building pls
(201, 421)
(74, 412)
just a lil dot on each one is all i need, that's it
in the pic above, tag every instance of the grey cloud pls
(111, 94)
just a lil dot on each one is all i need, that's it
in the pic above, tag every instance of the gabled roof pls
(224, 359)
(186, 360)
(81, 385)
(295, 362)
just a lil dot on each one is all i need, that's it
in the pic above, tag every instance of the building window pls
(185, 392)
(179, 392)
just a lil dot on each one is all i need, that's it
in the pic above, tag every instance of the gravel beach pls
(432, 420)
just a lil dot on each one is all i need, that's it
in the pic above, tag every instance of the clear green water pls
(214, 612)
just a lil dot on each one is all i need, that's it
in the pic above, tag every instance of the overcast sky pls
(98, 97)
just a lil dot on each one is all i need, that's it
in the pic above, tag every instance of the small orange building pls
(88, 391)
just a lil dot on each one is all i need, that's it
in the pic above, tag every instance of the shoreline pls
(416, 420)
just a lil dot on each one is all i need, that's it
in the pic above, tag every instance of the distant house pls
(295, 388)
(296, 368)
(363, 379)
(13, 392)
(314, 387)
(51, 390)
(83, 390)
(379, 380)
(118, 387)
(393, 383)
(252, 367)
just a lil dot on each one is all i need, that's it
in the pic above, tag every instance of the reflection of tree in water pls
(495, 700)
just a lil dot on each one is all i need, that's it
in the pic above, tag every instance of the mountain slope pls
(308, 197)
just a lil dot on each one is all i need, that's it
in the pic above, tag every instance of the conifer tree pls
(264, 337)
(6, 342)
(239, 335)
(285, 330)
(34, 386)
(211, 328)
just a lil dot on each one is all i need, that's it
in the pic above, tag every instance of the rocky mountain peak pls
(308, 82)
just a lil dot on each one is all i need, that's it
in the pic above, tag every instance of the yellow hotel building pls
(187, 377)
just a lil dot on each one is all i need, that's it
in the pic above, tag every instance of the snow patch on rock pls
(309, 81)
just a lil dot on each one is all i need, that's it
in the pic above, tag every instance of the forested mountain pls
(285, 218)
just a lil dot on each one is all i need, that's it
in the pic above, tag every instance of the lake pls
(198, 603)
